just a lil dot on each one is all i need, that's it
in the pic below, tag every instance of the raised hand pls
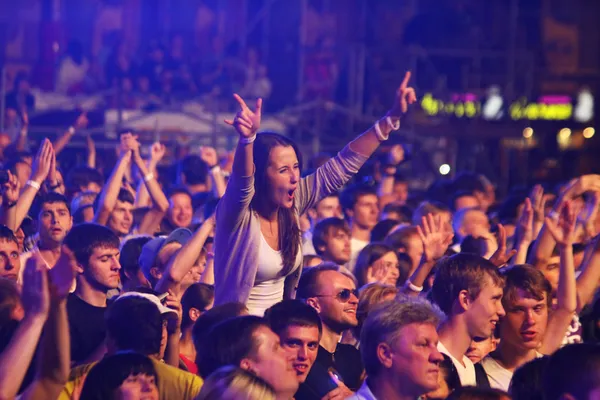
(434, 237)
(501, 256)
(524, 231)
(209, 156)
(61, 276)
(174, 324)
(378, 272)
(42, 162)
(246, 121)
(157, 152)
(11, 189)
(562, 226)
(82, 121)
(128, 143)
(35, 296)
(25, 118)
(396, 155)
(405, 95)
(537, 202)
(52, 176)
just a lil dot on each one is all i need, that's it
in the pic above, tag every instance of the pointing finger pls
(404, 83)
(241, 102)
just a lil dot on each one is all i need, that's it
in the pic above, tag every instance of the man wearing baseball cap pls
(135, 323)
(157, 252)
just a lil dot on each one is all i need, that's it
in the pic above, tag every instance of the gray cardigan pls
(238, 228)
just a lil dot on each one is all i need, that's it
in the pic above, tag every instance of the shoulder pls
(168, 373)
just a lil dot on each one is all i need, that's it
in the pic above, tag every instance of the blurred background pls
(505, 88)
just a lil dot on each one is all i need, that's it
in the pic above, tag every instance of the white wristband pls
(380, 135)
(248, 140)
(392, 126)
(149, 177)
(34, 184)
(216, 169)
(71, 130)
(413, 287)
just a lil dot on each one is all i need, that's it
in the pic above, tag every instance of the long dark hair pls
(289, 231)
(106, 376)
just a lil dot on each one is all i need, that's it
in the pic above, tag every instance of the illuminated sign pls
(492, 107)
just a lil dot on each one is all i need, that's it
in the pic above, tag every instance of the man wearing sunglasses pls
(335, 298)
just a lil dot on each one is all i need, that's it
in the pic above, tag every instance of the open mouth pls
(301, 368)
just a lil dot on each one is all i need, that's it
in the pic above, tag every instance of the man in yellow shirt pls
(135, 324)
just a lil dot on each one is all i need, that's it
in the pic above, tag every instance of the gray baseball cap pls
(150, 251)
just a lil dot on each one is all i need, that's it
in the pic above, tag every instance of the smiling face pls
(302, 343)
(283, 175)
(54, 223)
(484, 312)
(337, 314)
(390, 261)
(525, 322)
(271, 362)
(180, 211)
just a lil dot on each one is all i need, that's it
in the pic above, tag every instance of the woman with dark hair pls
(121, 376)
(258, 253)
(377, 262)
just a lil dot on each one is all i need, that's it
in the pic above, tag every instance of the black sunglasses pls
(343, 295)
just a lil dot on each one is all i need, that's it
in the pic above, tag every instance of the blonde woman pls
(233, 383)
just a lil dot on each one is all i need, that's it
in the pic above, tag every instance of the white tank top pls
(269, 282)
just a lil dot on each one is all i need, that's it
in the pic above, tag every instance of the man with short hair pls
(398, 344)
(335, 298)
(299, 328)
(531, 328)
(135, 322)
(96, 250)
(248, 342)
(361, 206)
(331, 240)
(10, 268)
(180, 212)
(54, 222)
(328, 207)
(468, 289)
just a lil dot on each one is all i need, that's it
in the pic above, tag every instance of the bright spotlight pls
(564, 133)
(588, 132)
(527, 133)
(444, 169)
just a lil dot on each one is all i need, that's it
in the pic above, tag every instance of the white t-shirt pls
(269, 282)
(498, 376)
(308, 249)
(466, 369)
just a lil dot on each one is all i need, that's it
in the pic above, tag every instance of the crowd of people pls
(253, 279)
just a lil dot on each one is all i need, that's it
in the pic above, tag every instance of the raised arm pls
(110, 192)
(160, 204)
(91, 151)
(435, 243)
(16, 358)
(563, 232)
(185, 259)
(240, 190)
(524, 234)
(55, 353)
(39, 173)
(589, 279)
(209, 156)
(64, 140)
(335, 173)
(395, 158)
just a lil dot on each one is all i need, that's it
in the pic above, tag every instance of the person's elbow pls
(161, 206)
